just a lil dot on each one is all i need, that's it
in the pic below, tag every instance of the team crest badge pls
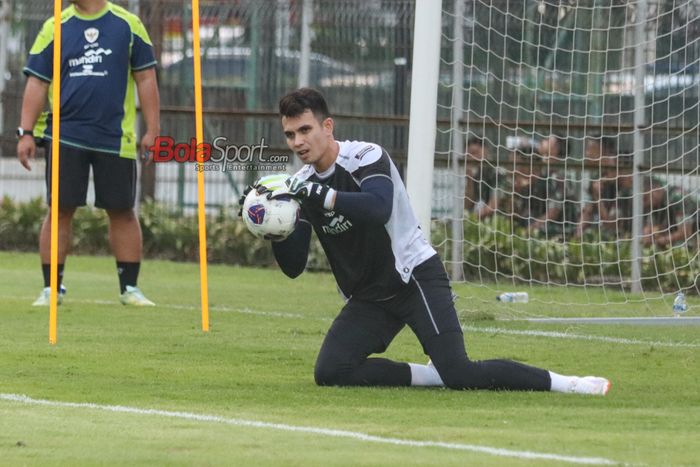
(91, 34)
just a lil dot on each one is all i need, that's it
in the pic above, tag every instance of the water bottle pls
(679, 305)
(513, 297)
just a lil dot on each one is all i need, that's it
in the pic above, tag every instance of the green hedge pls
(494, 249)
(167, 234)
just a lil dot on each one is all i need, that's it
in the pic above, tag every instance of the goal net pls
(567, 151)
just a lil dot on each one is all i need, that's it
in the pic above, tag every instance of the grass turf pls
(257, 364)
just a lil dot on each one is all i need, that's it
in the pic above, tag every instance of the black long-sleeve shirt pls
(371, 237)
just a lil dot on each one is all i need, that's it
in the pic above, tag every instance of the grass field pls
(243, 394)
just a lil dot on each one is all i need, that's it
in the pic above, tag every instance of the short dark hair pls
(474, 139)
(297, 102)
(609, 144)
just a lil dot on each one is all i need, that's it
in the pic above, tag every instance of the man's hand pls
(26, 150)
(241, 200)
(147, 141)
(267, 184)
(313, 193)
(270, 184)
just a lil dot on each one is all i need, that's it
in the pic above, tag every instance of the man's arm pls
(35, 93)
(683, 232)
(291, 253)
(372, 205)
(149, 98)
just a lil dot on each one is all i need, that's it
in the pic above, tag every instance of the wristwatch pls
(22, 132)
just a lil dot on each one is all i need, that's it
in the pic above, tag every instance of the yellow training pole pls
(200, 168)
(55, 135)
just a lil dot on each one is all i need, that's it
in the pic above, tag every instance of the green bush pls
(494, 250)
(20, 224)
(167, 234)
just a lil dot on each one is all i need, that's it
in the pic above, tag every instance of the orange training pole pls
(55, 135)
(200, 169)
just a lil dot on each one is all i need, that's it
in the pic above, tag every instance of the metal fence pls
(521, 67)
(568, 68)
(252, 54)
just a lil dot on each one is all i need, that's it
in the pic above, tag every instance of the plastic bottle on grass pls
(679, 305)
(513, 297)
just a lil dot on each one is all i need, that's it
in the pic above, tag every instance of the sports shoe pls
(593, 385)
(44, 298)
(133, 296)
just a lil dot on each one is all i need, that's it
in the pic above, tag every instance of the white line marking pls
(249, 311)
(312, 430)
(642, 320)
(566, 335)
(489, 330)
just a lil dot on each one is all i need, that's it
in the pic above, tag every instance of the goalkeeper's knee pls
(329, 374)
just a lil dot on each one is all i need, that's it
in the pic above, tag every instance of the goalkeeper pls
(389, 275)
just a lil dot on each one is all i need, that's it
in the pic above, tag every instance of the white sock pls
(424, 375)
(561, 383)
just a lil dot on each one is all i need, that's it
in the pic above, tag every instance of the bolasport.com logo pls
(219, 155)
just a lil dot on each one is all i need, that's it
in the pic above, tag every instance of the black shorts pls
(114, 177)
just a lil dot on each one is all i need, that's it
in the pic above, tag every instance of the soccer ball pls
(270, 219)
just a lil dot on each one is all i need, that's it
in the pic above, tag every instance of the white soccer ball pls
(270, 219)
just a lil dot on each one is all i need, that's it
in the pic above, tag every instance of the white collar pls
(326, 173)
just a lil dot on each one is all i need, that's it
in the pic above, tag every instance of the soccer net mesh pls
(567, 151)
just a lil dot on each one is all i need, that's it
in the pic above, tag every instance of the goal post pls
(566, 149)
(424, 86)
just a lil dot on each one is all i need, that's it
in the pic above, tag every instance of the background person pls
(609, 204)
(669, 216)
(106, 53)
(559, 193)
(481, 178)
(522, 194)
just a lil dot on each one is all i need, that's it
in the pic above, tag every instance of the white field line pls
(354, 435)
(470, 328)
(249, 311)
(588, 337)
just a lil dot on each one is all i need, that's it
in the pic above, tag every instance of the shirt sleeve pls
(40, 61)
(142, 55)
(292, 253)
(372, 205)
(373, 162)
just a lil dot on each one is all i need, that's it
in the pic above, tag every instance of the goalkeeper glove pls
(241, 200)
(267, 184)
(316, 194)
(270, 183)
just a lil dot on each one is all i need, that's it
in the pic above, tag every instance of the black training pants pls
(364, 328)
